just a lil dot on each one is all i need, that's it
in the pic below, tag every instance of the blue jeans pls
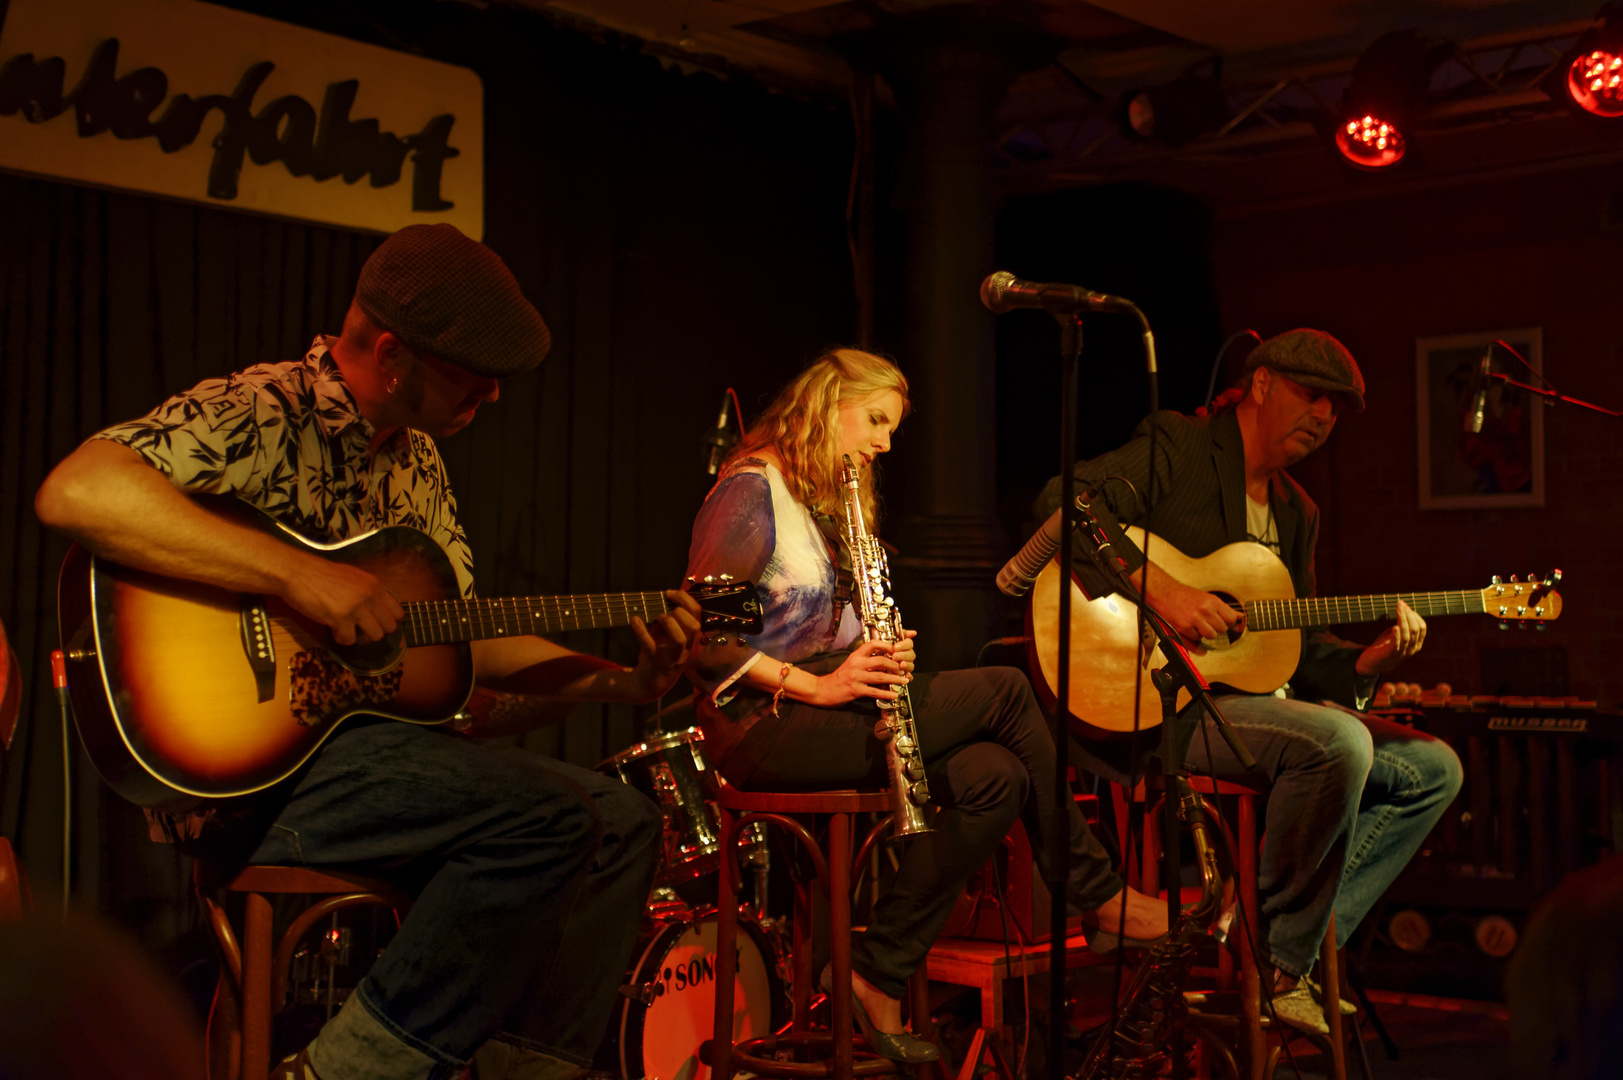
(1352, 797)
(529, 877)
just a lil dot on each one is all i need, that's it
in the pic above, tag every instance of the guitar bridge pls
(254, 625)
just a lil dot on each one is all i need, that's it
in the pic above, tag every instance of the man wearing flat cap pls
(1351, 796)
(528, 875)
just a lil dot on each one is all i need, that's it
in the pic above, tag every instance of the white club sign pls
(187, 100)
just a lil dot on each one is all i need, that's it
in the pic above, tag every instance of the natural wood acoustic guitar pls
(1258, 656)
(182, 691)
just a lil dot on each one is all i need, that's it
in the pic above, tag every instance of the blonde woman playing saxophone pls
(794, 707)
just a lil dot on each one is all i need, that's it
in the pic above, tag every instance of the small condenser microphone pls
(720, 439)
(1479, 399)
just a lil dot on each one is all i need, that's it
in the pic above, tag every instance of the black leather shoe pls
(904, 1048)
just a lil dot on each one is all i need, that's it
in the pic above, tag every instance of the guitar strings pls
(433, 621)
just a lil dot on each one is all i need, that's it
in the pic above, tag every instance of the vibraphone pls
(1540, 797)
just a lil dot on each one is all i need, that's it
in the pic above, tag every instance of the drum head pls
(662, 1040)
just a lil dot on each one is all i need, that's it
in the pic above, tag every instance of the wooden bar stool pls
(737, 810)
(254, 973)
(1250, 1028)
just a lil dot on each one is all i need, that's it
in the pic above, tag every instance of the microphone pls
(1479, 398)
(1019, 572)
(720, 439)
(1002, 291)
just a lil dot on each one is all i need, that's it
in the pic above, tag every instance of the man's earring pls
(392, 384)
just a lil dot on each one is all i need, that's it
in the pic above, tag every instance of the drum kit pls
(669, 1005)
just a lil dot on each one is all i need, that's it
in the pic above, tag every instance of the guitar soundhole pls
(1235, 633)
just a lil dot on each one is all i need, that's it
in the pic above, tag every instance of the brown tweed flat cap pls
(452, 297)
(1316, 360)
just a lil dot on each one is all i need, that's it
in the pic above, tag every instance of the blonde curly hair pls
(802, 423)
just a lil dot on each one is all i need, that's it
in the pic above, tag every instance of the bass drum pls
(676, 974)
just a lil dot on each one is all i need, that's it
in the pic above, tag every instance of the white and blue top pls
(752, 527)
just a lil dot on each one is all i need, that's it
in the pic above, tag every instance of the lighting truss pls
(1487, 81)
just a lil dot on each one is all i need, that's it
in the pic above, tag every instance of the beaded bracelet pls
(783, 681)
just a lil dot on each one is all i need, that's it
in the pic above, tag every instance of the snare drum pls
(676, 971)
(670, 769)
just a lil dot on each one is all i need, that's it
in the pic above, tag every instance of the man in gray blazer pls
(1352, 796)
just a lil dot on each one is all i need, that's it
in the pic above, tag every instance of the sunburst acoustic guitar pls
(182, 691)
(1259, 657)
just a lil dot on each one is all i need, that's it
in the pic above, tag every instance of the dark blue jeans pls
(530, 877)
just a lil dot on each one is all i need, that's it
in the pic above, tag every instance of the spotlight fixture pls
(1370, 142)
(1175, 112)
(1379, 109)
(1591, 73)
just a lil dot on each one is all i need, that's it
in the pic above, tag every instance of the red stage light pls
(1595, 82)
(1370, 142)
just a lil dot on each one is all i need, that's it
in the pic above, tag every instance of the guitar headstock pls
(726, 604)
(1532, 601)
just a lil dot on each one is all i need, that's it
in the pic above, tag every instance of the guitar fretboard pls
(1334, 611)
(439, 622)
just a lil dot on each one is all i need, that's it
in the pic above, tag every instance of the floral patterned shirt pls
(289, 439)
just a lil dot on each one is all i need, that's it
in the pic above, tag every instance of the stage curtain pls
(679, 233)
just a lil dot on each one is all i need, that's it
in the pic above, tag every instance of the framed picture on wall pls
(1502, 465)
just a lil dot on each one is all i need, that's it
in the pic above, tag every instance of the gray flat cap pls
(452, 297)
(1316, 360)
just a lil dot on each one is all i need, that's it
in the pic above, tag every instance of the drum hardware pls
(670, 769)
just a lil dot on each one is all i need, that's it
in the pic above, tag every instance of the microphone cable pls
(1217, 363)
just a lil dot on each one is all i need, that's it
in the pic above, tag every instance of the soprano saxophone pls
(870, 587)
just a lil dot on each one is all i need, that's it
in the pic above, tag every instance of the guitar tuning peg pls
(709, 579)
(1521, 624)
(1504, 625)
(726, 577)
(1553, 578)
(1532, 577)
(1541, 626)
(1495, 580)
(1513, 579)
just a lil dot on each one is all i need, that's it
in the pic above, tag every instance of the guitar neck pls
(1336, 610)
(440, 622)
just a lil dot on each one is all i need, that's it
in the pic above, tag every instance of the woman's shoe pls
(904, 1048)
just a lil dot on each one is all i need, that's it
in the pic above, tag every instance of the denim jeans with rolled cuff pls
(1351, 799)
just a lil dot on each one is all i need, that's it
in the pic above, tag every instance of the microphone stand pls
(1070, 325)
(1178, 672)
(1550, 395)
